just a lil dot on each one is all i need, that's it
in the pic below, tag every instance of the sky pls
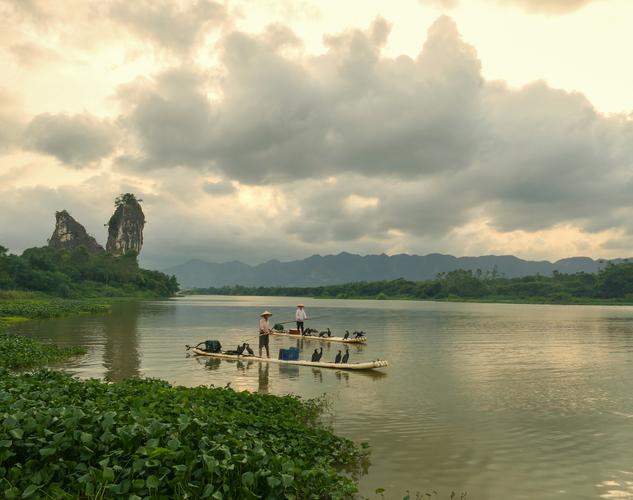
(265, 129)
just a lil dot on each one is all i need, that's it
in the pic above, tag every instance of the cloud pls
(349, 110)
(11, 121)
(220, 188)
(444, 4)
(553, 7)
(548, 6)
(433, 143)
(33, 54)
(348, 149)
(171, 25)
(75, 140)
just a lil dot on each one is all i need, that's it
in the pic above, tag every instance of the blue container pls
(283, 354)
(292, 353)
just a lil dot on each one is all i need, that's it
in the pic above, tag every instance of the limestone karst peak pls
(125, 228)
(69, 234)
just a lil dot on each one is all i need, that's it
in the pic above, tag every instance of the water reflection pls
(263, 379)
(289, 371)
(121, 357)
(213, 363)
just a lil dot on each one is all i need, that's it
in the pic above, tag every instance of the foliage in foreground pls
(63, 437)
(17, 352)
(78, 273)
(49, 308)
(613, 284)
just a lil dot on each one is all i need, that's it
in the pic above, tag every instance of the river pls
(499, 401)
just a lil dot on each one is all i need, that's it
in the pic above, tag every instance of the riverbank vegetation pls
(80, 274)
(612, 285)
(18, 352)
(61, 437)
(12, 310)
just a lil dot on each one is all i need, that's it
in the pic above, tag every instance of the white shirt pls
(301, 315)
(263, 325)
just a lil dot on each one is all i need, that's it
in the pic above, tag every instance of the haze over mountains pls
(345, 268)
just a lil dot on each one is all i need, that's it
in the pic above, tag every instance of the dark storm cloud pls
(75, 140)
(168, 24)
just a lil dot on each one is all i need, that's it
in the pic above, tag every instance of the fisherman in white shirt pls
(264, 333)
(300, 317)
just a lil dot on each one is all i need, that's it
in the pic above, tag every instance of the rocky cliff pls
(125, 228)
(69, 234)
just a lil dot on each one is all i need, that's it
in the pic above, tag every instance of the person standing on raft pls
(300, 317)
(264, 332)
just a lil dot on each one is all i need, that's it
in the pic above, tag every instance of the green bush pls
(65, 438)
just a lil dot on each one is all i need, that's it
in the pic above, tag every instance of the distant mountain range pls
(346, 268)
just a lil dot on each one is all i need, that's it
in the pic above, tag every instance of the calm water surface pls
(501, 401)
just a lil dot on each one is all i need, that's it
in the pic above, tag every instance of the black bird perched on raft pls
(249, 350)
(338, 357)
(315, 355)
(320, 354)
(346, 336)
(345, 356)
(241, 349)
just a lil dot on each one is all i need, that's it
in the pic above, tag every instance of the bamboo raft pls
(350, 340)
(367, 365)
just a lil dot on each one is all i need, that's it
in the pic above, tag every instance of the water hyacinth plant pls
(49, 308)
(62, 437)
(18, 352)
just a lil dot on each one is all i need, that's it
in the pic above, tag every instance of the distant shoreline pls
(611, 286)
(589, 302)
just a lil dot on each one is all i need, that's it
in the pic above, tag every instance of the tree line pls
(79, 273)
(613, 283)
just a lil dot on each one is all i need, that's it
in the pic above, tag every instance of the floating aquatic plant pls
(61, 437)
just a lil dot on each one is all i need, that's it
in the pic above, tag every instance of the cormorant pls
(320, 354)
(249, 350)
(338, 357)
(240, 349)
(346, 336)
(315, 355)
(345, 356)
(329, 332)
